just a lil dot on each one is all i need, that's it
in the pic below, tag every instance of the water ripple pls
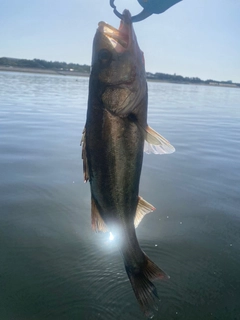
(53, 265)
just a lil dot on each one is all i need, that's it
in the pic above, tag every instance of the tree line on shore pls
(187, 80)
(43, 64)
(75, 67)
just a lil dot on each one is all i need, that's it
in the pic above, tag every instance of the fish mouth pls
(120, 39)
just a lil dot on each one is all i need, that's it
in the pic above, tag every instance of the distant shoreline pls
(45, 71)
(85, 74)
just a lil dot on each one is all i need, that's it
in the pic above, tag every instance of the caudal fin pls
(144, 289)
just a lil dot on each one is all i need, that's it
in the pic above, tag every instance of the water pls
(54, 267)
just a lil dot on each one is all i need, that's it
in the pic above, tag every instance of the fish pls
(115, 136)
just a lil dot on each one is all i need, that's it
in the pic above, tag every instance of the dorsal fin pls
(97, 222)
(84, 156)
(143, 208)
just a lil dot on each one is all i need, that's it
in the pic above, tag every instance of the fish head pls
(118, 65)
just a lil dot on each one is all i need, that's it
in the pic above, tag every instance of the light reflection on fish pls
(113, 141)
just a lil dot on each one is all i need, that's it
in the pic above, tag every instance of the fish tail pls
(144, 289)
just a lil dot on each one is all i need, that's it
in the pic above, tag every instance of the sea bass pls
(112, 149)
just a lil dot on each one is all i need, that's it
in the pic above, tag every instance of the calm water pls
(52, 266)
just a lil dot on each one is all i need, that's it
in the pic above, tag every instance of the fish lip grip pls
(149, 7)
(118, 14)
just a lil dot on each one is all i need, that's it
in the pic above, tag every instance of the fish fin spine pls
(98, 225)
(143, 208)
(144, 289)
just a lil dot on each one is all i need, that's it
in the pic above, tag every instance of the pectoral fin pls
(97, 222)
(155, 143)
(143, 208)
(84, 156)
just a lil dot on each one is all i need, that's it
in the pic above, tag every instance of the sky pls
(194, 38)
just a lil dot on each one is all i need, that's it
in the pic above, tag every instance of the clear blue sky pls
(193, 38)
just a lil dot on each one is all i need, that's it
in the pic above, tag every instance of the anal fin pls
(97, 222)
(143, 208)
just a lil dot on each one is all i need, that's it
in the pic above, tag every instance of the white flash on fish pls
(111, 236)
(108, 30)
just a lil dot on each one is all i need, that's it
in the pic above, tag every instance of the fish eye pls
(104, 56)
